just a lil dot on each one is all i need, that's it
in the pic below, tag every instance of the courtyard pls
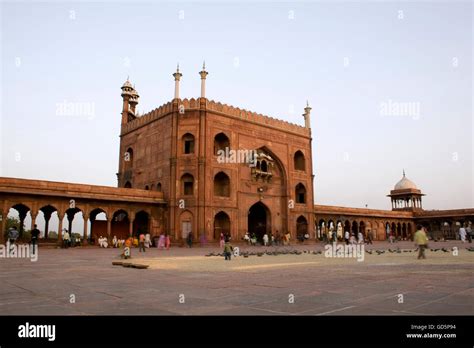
(183, 281)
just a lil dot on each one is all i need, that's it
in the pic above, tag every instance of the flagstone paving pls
(183, 281)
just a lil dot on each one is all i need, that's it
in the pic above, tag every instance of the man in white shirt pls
(66, 238)
(265, 239)
(462, 234)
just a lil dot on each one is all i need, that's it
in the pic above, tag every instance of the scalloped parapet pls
(148, 117)
(211, 105)
(256, 118)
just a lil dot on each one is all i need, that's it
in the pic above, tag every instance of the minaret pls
(306, 115)
(177, 76)
(134, 100)
(203, 74)
(127, 93)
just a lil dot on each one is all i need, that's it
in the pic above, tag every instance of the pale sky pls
(356, 63)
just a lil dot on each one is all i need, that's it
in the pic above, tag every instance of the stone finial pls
(177, 75)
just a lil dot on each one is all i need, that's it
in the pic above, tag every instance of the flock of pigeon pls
(319, 252)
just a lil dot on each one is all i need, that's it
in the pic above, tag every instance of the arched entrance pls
(221, 225)
(259, 220)
(347, 227)
(301, 227)
(120, 225)
(186, 224)
(355, 229)
(361, 229)
(141, 223)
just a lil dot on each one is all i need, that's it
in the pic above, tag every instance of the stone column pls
(109, 227)
(47, 217)
(132, 219)
(86, 217)
(177, 76)
(203, 74)
(60, 228)
(307, 115)
(33, 220)
(3, 222)
(70, 218)
(22, 215)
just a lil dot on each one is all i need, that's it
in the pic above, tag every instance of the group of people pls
(164, 241)
(465, 232)
(350, 238)
(267, 239)
(69, 240)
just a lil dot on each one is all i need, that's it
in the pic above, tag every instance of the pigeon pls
(470, 249)
(369, 252)
(445, 250)
(379, 251)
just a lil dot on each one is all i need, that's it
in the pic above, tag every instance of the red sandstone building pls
(174, 178)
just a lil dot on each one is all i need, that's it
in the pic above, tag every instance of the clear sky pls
(356, 63)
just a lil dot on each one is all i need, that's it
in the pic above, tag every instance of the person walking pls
(222, 242)
(469, 233)
(360, 238)
(34, 237)
(66, 239)
(167, 241)
(421, 240)
(265, 239)
(161, 241)
(13, 235)
(141, 242)
(369, 237)
(247, 238)
(127, 249)
(189, 239)
(228, 250)
(462, 234)
(346, 237)
(147, 240)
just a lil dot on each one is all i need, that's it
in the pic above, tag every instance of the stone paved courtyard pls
(441, 284)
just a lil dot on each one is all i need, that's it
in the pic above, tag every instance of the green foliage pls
(26, 237)
(76, 235)
(10, 222)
